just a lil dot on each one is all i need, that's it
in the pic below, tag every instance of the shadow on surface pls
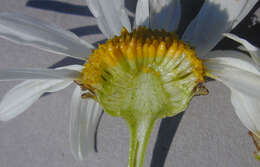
(96, 132)
(167, 131)
(189, 11)
(67, 61)
(61, 7)
(86, 30)
(67, 8)
(131, 5)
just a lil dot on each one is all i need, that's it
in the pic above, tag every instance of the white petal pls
(84, 119)
(104, 27)
(215, 18)
(247, 109)
(165, 14)
(233, 58)
(243, 79)
(240, 74)
(24, 74)
(111, 16)
(75, 67)
(254, 51)
(29, 31)
(22, 96)
(248, 7)
(142, 14)
(243, 109)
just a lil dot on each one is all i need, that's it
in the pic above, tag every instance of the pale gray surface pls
(209, 135)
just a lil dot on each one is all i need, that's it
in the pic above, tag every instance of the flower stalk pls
(140, 132)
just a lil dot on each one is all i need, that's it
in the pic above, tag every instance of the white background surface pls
(209, 135)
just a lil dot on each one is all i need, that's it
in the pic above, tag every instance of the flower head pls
(146, 70)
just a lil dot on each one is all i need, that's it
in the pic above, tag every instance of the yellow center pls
(143, 76)
(143, 50)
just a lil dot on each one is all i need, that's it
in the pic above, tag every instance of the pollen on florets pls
(146, 70)
(137, 51)
(142, 76)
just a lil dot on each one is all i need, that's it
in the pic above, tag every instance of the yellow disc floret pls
(143, 76)
(141, 50)
(149, 71)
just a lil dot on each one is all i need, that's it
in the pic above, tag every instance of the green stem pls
(140, 132)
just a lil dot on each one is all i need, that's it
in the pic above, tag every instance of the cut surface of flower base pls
(143, 76)
(150, 71)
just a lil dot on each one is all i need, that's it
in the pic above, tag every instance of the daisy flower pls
(141, 73)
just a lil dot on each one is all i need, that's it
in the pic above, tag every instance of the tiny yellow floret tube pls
(142, 76)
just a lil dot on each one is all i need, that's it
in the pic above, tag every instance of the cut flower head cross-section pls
(140, 74)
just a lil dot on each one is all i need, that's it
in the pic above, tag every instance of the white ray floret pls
(23, 95)
(85, 115)
(29, 31)
(235, 77)
(142, 14)
(253, 51)
(111, 16)
(247, 109)
(23, 74)
(203, 34)
(165, 14)
(242, 76)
